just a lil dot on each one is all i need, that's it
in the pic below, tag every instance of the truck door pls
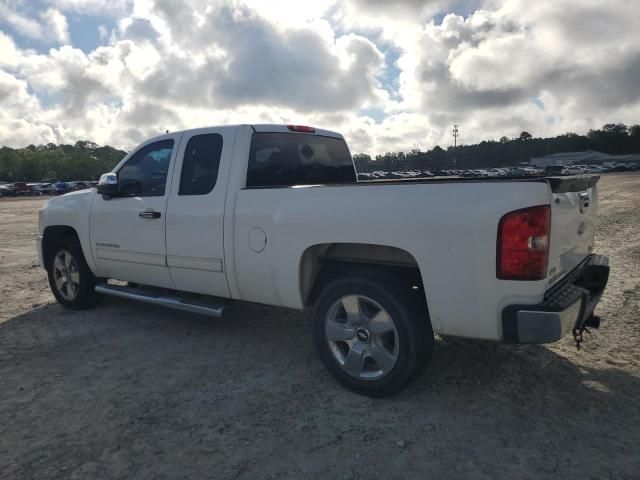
(128, 230)
(195, 211)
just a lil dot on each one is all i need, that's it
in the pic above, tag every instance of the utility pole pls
(455, 143)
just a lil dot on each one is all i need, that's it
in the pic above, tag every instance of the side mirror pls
(108, 185)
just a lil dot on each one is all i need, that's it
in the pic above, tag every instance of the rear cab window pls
(289, 159)
(200, 165)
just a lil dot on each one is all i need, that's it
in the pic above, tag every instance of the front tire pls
(70, 278)
(372, 332)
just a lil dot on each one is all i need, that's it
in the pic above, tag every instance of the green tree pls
(525, 136)
(82, 161)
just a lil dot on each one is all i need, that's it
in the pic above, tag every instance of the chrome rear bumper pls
(566, 306)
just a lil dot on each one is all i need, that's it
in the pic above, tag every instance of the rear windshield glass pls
(287, 159)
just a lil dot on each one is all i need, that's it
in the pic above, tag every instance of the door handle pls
(149, 214)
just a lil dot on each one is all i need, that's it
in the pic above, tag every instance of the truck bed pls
(559, 184)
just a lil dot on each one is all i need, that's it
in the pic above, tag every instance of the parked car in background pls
(36, 188)
(563, 170)
(554, 169)
(61, 187)
(20, 189)
(518, 172)
(44, 189)
(73, 186)
(621, 168)
(10, 190)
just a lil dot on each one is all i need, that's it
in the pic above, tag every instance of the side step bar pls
(202, 306)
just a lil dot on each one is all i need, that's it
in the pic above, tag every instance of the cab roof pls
(273, 127)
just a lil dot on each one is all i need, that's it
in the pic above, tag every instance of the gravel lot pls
(134, 391)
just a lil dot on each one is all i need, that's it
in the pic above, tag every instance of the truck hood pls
(70, 199)
(66, 209)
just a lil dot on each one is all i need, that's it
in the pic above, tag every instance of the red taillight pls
(301, 128)
(523, 244)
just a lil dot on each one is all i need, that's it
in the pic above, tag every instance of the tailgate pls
(573, 222)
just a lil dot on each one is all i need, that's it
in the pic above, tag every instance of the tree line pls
(86, 160)
(82, 161)
(612, 138)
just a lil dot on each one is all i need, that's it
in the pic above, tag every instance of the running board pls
(202, 306)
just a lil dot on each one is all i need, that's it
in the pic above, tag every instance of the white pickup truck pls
(273, 214)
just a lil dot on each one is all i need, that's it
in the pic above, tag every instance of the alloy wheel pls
(362, 337)
(66, 275)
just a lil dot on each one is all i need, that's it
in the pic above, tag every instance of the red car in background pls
(15, 189)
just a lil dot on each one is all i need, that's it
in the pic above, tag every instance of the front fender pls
(70, 210)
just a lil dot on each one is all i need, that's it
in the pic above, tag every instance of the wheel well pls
(322, 263)
(54, 235)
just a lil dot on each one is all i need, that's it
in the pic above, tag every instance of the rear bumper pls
(566, 306)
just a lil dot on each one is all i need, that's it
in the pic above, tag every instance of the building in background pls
(587, 157)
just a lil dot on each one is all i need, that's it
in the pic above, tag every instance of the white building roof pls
(587, 156)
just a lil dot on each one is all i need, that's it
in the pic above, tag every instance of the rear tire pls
(372, 332)
(70, 279)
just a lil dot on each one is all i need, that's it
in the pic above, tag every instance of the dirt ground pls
(135, 391)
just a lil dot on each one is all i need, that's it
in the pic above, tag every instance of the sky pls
(389, 75)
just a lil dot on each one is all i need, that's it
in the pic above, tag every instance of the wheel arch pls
(55, 234)
(321, 263)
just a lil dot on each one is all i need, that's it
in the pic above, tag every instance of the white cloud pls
(229, 56)
(103, 31)
(49, 26)
(290, 12)
(546, 67)
(55, 24)
(23, 24)
(113, 8)
(20, 114)
(9, 53)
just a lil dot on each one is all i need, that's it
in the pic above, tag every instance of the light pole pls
(455, 143)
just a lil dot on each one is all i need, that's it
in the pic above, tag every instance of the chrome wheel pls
(362, 337)
(66, 275)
